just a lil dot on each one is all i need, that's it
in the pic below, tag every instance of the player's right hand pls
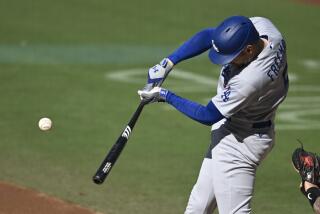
(156, 94)
(157, 72)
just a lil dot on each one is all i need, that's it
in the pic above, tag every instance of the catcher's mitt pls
(307, 164)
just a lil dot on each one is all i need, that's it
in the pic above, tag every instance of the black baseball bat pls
(114, 153)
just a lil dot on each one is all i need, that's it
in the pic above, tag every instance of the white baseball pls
(45, 124)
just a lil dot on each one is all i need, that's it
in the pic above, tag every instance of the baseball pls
(45, 124)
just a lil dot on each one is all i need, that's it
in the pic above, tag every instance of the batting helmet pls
(230, 38)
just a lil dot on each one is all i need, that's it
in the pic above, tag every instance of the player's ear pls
(249, 49)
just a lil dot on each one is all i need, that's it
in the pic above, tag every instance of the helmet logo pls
(214, 46)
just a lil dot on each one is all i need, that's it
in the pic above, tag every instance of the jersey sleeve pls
(196, 45)
(234, 97)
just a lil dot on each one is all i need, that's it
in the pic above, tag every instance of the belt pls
(258, 125)
(263, 124)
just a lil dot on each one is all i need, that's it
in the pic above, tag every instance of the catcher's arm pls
(307, 164)
(312, 192)
(316, 206)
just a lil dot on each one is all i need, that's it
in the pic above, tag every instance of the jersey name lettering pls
(278, 62)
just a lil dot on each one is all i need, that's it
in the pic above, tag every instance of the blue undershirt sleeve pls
(206, 115)
(196, 45)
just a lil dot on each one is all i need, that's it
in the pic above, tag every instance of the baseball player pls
(307, 164)
(253, 82)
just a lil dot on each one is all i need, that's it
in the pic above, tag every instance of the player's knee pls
(199, 205)
(196, 209)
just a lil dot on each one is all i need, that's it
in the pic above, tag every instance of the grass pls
(160, 164)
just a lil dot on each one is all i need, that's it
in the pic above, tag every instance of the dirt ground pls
(316, 2)
(19, 200)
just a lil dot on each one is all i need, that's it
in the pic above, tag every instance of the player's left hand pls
(156, 94)
(157, 72)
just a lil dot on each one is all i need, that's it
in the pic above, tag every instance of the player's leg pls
(202, 200)
(234, 167)
(233, 187)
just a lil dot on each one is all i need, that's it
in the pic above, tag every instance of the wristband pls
(167, 64)
(163, 94)
(312, 194)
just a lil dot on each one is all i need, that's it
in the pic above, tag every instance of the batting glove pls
(157, 72)
(156, 94)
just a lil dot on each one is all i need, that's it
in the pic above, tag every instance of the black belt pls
(260, 125)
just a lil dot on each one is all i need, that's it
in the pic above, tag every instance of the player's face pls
(244, 57)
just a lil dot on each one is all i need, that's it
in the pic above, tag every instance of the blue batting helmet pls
(230, 38)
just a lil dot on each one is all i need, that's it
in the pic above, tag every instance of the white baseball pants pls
(227, 179)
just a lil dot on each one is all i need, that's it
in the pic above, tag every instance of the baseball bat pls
(114, 153)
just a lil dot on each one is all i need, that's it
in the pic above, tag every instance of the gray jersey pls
(251, 94)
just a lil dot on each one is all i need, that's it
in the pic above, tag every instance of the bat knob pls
(97, 179)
